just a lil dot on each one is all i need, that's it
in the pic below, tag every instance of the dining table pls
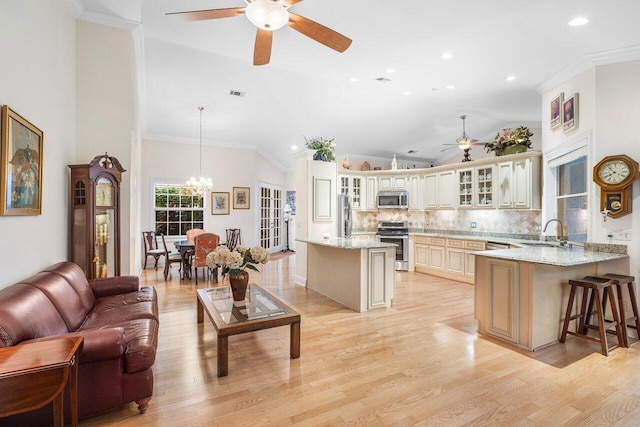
(186, 248)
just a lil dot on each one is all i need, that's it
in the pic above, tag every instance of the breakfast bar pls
(521, 294)
(359, 274)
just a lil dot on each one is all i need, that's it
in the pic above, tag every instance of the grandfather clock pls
(94, 216)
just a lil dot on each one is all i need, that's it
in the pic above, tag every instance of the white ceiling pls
(306, 89)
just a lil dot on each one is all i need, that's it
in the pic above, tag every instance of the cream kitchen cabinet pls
(371, 201)
(446, 257)
(353, 186)
(439, 190)
(519, 183)
(415, 192)
(393, 183)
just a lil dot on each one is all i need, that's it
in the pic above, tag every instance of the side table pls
(34, 374)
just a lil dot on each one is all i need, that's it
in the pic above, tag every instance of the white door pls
(271, 237)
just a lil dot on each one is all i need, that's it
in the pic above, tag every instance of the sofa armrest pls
(114, 285)
(99, 344)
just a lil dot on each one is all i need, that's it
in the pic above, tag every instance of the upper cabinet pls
(475, 187)
(519, 183)
(415, 193)
(372, 192)
(353, 186)
(439, 190)
(392, 183)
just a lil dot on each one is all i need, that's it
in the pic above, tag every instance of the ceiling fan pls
(268, 16)
(464, 142)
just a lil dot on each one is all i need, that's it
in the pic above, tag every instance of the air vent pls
(236, 93)
(383, 79)
(412, 151)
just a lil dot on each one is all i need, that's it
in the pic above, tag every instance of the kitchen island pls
(359, 274)
(521, 294)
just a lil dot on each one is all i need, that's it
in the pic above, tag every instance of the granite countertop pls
(346, 243)
(560, 256)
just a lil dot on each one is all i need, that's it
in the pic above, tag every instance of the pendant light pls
(200, 186)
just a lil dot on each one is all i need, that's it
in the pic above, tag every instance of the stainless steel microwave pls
(393, 200)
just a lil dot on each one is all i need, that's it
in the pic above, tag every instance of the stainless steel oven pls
(396, 232)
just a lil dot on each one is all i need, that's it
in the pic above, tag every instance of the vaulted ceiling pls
(309, 90)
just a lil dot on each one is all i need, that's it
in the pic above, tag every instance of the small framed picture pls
(570, 113)
(556, 111)
(219, 203)
(241, 197)
(21, 165)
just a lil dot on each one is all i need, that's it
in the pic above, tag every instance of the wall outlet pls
(621, 235)
(473, 224)
(538, 227)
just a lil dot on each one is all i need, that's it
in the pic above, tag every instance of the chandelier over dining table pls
(198, 187)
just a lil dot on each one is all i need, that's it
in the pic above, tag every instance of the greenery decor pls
(325, 148)
(510, 141)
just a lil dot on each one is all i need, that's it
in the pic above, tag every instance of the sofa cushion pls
(141, 342)
(76, 278)
(71, 307)
(118, 308)
(27, 313)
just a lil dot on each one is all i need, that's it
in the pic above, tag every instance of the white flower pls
(260, 254)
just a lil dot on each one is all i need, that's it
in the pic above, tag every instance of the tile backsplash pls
(487, 221)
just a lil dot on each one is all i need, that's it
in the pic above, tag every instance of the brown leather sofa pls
(119, 323)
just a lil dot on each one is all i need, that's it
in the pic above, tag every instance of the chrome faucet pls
(563, 241)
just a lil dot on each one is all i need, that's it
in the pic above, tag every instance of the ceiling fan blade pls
(202, 15)
(262, 50)
(319, 32)
(292, 2)
(448, 148)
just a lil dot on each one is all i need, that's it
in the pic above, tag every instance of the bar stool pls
(591, 286)
(619, 280)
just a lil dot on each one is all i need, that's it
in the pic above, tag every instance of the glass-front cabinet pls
(465, 188)
(484, 185)
(94, 216)
(353, 187)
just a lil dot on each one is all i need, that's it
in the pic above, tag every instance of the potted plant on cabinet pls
(325, 148)
(510, 141)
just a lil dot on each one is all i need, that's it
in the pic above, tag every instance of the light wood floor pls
(418, 363)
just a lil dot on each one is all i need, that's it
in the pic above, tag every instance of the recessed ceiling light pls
(510, 78)
(353, 79)
(406, 93)
(391, 70)
(450, 87)
(580, 20)
(294, 147)
(446, 55)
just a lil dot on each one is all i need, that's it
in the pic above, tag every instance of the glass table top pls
(257, 305)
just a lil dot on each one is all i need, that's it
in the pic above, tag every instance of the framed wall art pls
(570, 113)
(241, 197)
(21, 157)
(219, 203)
(556, 111)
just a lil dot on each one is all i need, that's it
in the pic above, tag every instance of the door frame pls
(258, 217)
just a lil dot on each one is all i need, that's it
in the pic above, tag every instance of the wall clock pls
(615, 176)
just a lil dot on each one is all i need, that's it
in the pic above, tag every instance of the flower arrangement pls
(510, 141)
(240, 259)
(325, 148)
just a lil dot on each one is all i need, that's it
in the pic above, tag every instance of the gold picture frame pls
(21, 156)
(219, 203)
(241, 197)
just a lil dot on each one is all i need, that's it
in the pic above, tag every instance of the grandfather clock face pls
(104, 192)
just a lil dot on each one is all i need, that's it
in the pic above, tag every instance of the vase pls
(239, 282)
(511, 149)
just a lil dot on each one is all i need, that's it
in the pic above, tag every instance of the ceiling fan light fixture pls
(267, 14)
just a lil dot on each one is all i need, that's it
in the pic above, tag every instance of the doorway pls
(270, 217)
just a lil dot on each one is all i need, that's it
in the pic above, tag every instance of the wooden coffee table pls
(260, 310)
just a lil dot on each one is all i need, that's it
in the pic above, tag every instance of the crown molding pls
(630, 53)
(109, 20)
(75, 7)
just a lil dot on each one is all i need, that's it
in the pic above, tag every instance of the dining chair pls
(151, 248)
(191, 234)
(205, 243)
(170, 258)
(233, 238)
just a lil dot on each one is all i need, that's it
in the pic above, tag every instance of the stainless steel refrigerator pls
(344, 216)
